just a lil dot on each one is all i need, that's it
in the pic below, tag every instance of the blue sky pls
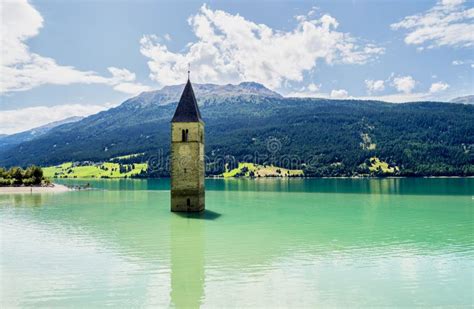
(65, 58)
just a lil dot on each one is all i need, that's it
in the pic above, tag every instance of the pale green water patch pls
(271, 243)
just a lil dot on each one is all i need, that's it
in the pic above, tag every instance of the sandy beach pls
(29, 190)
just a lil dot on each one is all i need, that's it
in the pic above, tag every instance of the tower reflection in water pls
(187, 260)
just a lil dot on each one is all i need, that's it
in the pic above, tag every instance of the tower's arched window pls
(184, 135)
(188, 202)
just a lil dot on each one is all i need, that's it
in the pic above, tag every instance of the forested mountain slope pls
(323, 137)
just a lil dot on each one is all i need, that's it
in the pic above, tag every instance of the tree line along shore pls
(16, 176)
(16, 180)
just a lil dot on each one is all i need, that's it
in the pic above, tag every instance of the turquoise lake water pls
(260, 243)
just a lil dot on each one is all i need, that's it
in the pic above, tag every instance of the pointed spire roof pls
(187, 110)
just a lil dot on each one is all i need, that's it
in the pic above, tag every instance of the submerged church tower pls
(187, 154)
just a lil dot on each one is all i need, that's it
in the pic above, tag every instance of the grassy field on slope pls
(102, 170)
(256, 170)
(384, 167)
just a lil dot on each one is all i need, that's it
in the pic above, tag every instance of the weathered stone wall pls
(187, 167)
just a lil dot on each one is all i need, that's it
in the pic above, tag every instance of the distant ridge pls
(9, 141)
(468, 99)
(204, 92)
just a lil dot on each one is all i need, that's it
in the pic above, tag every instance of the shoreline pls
(286, 178)
(55, 188)
(339, 177)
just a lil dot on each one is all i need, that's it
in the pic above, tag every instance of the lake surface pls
(264, 243)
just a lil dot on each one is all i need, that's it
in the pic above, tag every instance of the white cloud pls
(391, 98)
(452, 2)
(339, 94)
(231, 49)
(410, 97)
(120, 75)
(13, 121)
(467, 62)
(131, 88)
(311, 90)
(123, 80)
(404, 84)
(374, 85)
(22, 69)
(399, 97)
(448, 23)
(314, 87)
(437, 87)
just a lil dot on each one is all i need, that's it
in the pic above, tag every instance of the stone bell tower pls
(187, 155)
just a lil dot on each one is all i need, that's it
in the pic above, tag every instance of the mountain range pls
(468, 99)
(9, 141)
(248, 122)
